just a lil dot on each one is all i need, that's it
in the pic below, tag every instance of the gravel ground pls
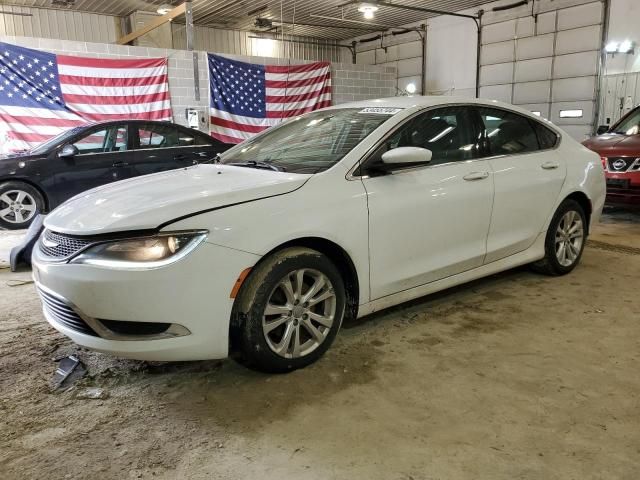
(517, 376)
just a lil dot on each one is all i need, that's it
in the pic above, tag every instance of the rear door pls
(528, 175)
(102, 154)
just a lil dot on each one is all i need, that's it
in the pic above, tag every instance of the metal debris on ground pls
(70, 369)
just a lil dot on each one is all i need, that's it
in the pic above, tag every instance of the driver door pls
(429, 222)
(101, 154)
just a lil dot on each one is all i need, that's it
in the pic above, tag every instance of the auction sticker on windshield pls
(381, 110)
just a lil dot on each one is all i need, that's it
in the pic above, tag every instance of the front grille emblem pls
(619, 164)
(48, 243)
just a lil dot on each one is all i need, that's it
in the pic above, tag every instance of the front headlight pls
(142, 252)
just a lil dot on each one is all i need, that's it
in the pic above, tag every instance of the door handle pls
(179, 157)
(120, 164)
(550, 165)
(470, 177)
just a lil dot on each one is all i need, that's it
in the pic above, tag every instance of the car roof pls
(423, 101)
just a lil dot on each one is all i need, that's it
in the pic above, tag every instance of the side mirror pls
(68, 151)
(404, 157)
(602, 129)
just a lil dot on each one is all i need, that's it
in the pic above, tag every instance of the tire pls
(20, 203)
(563, 246)
(265, 340)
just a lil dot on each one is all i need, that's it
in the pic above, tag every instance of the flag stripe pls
(308, 67)
(154, 115)
(297, 83)
(106, 91)
(326, 90)
(68, 60)
(221, 122)
(116, 100)
(299, 111)
(118, 82)
(107, 73)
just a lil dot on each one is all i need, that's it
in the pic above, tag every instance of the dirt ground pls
(517, 376)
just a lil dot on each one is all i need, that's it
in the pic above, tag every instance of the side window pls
(110, 139)
(546, 137)
(507, 132)
(158, 136)
(189, 138)
(448, 132)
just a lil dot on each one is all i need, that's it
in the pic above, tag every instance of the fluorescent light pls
(570, 113)
(625, 47)
(368, 10)
(611, 47)
(411, 88)
(164, 9)
(536, 113)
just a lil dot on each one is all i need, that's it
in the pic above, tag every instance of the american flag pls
(246, 98)
(43, 94)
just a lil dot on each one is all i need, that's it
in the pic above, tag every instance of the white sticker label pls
(381, 110)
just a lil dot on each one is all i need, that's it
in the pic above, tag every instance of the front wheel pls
(19, 204)
(565, 240)
(289, 311)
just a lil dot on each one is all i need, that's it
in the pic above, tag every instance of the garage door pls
(548, 64)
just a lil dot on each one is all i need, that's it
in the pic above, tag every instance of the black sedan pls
(85, 157)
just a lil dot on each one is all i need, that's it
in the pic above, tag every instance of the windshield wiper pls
(257, 164)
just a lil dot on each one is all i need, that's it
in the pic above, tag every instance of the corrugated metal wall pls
(59, 24)
(235, 42)
(87, 27)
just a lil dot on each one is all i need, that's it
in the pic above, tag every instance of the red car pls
(619, 148)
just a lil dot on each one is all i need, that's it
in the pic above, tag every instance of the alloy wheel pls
(299, 313)
(569, 238)
(17, 206)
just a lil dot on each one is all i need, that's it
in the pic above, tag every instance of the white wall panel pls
(499, 32)
(587, 113)
(497, 92)
(546, 23)
(578, 40)
(408, 66)
(543, 108)
(59, 24)
(580, 16)
(499, 73)
(570, 89)
(532, 70)
(531, 92)
(525, 27)
(534, 47)
(500, 52)
(576, 64)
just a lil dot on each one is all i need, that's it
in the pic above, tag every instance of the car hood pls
(614, 144)
(147, 202)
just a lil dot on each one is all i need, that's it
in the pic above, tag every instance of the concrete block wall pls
(350, 82)
(362, 82)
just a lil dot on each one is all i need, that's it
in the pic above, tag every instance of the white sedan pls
(331, 215)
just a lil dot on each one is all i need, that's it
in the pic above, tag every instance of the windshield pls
(46, 146)
(310, 143)
(630, 125)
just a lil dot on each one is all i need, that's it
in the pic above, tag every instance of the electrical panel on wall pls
(198, 118)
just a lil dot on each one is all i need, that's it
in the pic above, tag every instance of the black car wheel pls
(565, 241)
(289, 311)
(19, 204)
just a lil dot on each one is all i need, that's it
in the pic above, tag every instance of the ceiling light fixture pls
(411, 88)
(164, 9)
(368, 10)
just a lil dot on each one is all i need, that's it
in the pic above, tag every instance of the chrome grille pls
(60, 246)
(63, 313)
(622, 164)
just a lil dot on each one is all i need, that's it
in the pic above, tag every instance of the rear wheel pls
(19, 205)
(565, 240)
(289, 311)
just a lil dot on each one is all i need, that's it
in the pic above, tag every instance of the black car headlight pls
(142, 252)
